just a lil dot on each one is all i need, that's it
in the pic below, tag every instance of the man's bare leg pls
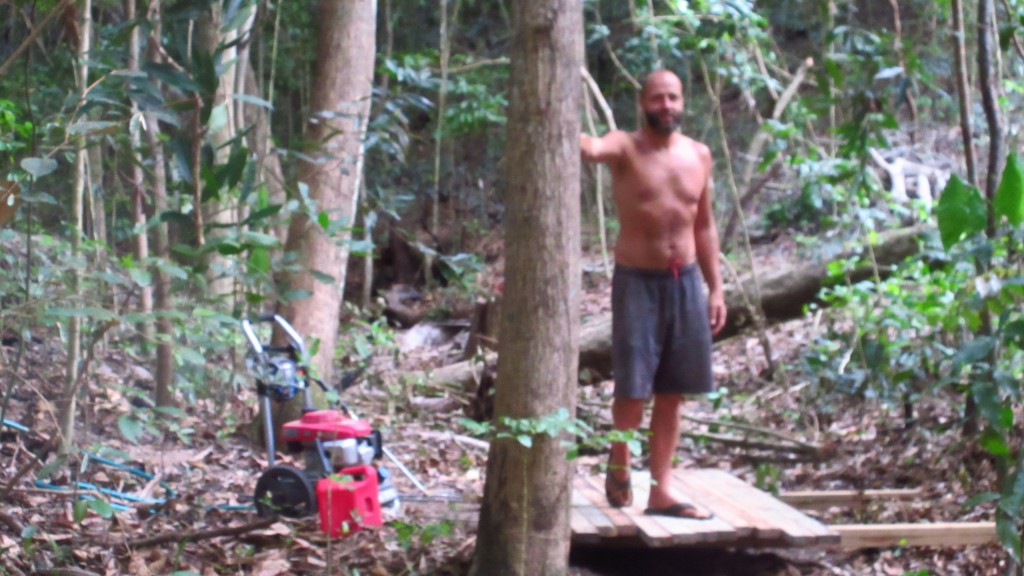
(664, 439)
(627, 414)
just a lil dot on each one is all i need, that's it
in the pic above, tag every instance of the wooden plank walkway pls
(743, 515)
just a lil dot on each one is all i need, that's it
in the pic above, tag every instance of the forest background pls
(158, 182)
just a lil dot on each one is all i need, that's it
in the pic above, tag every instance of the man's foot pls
(680, 510)
(618, 492)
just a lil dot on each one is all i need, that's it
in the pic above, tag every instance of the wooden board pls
(680, 531)
(938, 534)
(600, 522)
(797, 529)
(728, 508)
(743, 515)
(825, 499)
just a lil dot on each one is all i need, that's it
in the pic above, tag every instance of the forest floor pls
(205, 457)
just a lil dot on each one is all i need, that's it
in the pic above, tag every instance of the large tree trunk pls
(342, 85)
(221, 213)
(524, 522)
(784, 293)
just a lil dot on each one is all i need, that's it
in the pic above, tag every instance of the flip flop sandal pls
(618, 492)
(680, 510)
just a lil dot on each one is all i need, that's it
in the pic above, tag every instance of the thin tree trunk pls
(366, 297)
(137, 181)
(164, 393)
(598, 191)
(524, 522)
(442, 100)
(69, 401)
(754, 301)
(830, 11)
(990, 105)
(963, 91)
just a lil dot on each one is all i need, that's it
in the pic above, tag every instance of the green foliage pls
(15, 134)
(960, 212)
(554, 425)
(955, 323)
(410, 534)
(893, 351)
(474, 106)
(1009, 199)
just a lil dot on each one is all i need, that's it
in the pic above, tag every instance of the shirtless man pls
(661, 321)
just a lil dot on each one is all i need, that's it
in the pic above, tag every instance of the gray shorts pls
(661, 340)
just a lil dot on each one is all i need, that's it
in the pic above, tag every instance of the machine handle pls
(250, 335)
(293, 336)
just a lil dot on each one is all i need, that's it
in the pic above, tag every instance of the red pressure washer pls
(339, 479)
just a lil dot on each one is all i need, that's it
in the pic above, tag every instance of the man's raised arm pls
(606, 149)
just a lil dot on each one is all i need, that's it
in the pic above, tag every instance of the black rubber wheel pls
(284, 491)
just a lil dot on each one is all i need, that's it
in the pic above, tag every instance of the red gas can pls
(348, 501)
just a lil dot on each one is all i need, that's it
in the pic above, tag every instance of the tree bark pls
(524, 522)
(340, 100)
(219, 213)
(140, 243)
(164, 393)
(963, 91)
(68, 404)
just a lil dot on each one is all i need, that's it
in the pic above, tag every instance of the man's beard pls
(661, 126)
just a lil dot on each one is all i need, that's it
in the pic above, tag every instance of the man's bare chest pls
(663, 178)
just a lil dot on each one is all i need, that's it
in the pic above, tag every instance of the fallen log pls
(784, 295)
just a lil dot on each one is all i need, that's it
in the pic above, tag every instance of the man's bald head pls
(662, 77)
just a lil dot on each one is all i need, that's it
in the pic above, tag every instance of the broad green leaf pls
(960, 212)
(261, 214)
(218, 117)
(259, 239)
(167, 74)
(525, 439)
(250, 99)
(87, 127)
(323, 277)
(38, 167)
(130, 428)
(39, 198)
(101, 507)
(227, 247)
(88, 312)
(50, 467)
(981, 498)
(190, 356)
(293, 295)
(140, 276)
(28, 532)
(1009, 200)
(80, 509)
(171, 269)
(258, 262)
(1013, 334)
(994, 443)
(1008, 535)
